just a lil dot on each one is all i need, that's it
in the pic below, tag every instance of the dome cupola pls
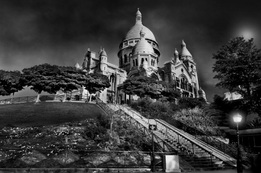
(103, 52)
(143, 46)
(134, 31)
(184, 50)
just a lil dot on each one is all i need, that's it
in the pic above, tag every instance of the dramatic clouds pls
(60, 31)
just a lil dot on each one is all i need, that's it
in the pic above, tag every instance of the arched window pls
(162, 75)
(152, 62)
(125, 58)
(184, 83)
(178, 82)
(142, 60)
(112, 78)
(120, 61)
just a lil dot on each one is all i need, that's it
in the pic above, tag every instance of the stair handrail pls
(221, 155)
(135, 113)
(144, 125)
(224, 157)
(13, 100)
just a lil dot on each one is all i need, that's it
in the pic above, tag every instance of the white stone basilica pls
(139, 54)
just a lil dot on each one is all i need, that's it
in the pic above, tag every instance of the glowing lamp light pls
(237, 118)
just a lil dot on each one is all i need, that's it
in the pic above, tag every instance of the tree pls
(95, 82)
(69, 79)
(142, 86)
(188, 102)
(10, 82)
(170, 92)
(3, 91)
(42, 78)
(72, 78)
(238, 66)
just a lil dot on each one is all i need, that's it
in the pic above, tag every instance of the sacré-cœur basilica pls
(139, 54)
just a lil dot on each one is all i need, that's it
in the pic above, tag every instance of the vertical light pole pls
(237, 118)
(152, 128)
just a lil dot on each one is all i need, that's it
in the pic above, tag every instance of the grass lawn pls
(45, 113)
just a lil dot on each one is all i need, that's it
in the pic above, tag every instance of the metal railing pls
(136, 119)
(185, 142)
(191, 142)
(25, 99)
(43, 98)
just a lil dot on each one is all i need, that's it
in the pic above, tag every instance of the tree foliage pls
(186, 103)
(70, 78)
(52, 78)
(170, 92)
(96, 82)
(10, 82)
(237, 67)
(142, 86)
(42, 78)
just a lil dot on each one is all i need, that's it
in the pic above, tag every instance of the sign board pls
(171, 163)
(152, 127)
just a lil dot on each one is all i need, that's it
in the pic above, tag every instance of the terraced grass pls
(46, 113)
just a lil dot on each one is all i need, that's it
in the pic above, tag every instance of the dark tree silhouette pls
(42, 77)
(237, 67)
(10, 82)
(96, 82)
(142, 86)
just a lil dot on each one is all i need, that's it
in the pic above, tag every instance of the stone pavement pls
(223, 171)
(216, 171)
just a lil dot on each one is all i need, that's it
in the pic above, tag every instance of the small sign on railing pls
(152, 127)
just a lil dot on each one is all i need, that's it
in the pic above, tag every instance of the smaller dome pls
(142, 46)
(103, 53)
(184, 50)
(202, 93)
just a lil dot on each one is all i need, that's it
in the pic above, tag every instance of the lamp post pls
(237, 118)
(152, 128)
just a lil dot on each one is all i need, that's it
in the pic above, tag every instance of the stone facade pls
(99, 64)
(139, 54)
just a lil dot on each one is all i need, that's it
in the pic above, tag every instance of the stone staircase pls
(195, 155)
(200, 155)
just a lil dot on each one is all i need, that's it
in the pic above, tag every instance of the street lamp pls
(237, 118)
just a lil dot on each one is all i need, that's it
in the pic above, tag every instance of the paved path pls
(219, 171)
(223, 171)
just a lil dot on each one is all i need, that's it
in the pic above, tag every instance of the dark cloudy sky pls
(60, 31)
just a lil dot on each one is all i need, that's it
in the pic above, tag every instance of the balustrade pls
(170, 138)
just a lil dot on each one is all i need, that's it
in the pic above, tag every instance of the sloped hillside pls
(45, 113)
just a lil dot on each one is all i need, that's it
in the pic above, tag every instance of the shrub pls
(104, 121)
(196, 119)
(192, 120)
(46, 97)
(186, 103)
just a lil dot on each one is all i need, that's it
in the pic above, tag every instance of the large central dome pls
(134, 32)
